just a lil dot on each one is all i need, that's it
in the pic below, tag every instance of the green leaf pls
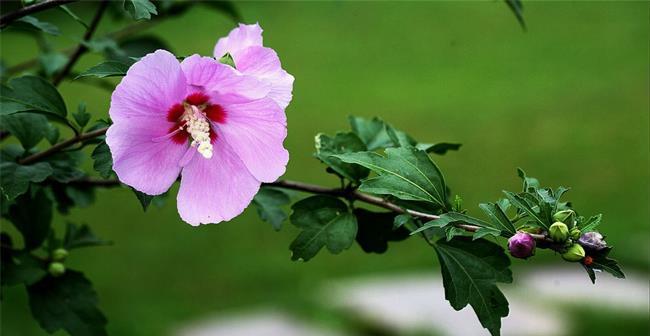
(105, 69)
(498, 218)
(68, 302)
(65, 166)
(81, 236)
(81, 117)
(31, 94)
(73, 15)
(371, 132)
(269, 202)
(45, 27)
(81, 196)
(440, 148)
(144, 199)
(591, 223)
(228, 60)
(470, 271)
(455, 217)
(608, 265)
(522, 204)
(15, 178)
(52, 62)
(325, 221)
(140, 9)
(517, 8)
(406, 173)
(29, 128)
(530, 183)
(327, 147)
(103, 161)
(31, 214)
(376, 229)
(20, 268)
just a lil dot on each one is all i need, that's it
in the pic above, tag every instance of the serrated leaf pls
(371, 132)
(498, 218)
(327, 147)
(376, 229)
(144, 199)
(530, 183)
(470, 272)
(140, 9)
(103, 161)
(52, 62)
(31, 94)
(325, 221)
(81, 117)
(31, 214)
(15, 178)
(45, 27)
(105, 69)
(269, 202)
(81, 236)
(591, 223)
(68, 303)
(28, 128)
(52, 134)
(520, 203)
(608, 265)
(65, 166)
(20, 268)
(455, 217)
(406, 173)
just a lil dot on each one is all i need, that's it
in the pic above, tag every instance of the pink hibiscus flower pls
(251, 58)
(218, 128)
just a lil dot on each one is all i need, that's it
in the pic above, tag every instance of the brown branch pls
(81, 48)
(35, 8)
(62, 145)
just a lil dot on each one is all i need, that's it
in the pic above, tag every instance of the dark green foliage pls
(105, 69)
(29, 128)
(269, 202)
(32, 23)
(31, 94)
(327, 147)
(15, 178)
(31, 214)
(140, 9)
(103, 162)
(81, 236)
(144, 199)
(20, 267)
(376, 229)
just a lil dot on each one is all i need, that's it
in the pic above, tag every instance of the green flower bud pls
(567, 217)
(575, 233)
(574, 253)
(559, 232)
(59, 254)
(56, 269)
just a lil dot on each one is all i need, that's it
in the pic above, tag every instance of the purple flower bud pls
(521, 245)
(593, 241)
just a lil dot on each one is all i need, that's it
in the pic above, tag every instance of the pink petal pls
(148, 166)
(216, 189)
(221, 80)
(151, 86)
(255, 131)
(239, 38)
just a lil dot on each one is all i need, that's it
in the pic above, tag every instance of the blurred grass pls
(567, 101)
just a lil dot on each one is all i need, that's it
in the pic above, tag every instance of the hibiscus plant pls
(216, 124)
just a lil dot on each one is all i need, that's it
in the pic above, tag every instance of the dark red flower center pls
(179, 113)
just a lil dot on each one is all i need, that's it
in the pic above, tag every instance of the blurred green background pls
(567, 101)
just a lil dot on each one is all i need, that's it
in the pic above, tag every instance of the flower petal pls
(148, 166)
(207, 74)
(216, 189)
(239, 38)
(255, 131)
(151, 86)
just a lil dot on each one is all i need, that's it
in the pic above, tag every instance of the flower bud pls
(56, 269)
(59, 254)
(575, 233)
(559, 232)
(567, 217)
(574, 253)
(521, 245)
(592, 241)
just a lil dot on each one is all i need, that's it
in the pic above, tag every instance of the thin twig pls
(81, 48)
(35, 8)
(62, 145)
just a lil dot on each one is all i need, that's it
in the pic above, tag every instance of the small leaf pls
(269, 202)
(228, 60)
(522, 204)
(371, 132)
(517, 8)
(440, 148)
(105, 69)
(608, 265)
(52, 62)
(20, 268)
(498, 218)
(52, 134)
(68, 302)
(144, 199)
(376, 229)
(455, 217)
(81, 236)
(32, 216)
(31, 94)
(29, 128)
(103, 161)
(65, 166)
(405, 172)
(81, 196)
(470, 272)
(15, 178)
(327, 147)
(325, 221)
(73, 15)
(45, 27)
(591, 223)
(81, 116)
(140, 9)
(530, 183)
